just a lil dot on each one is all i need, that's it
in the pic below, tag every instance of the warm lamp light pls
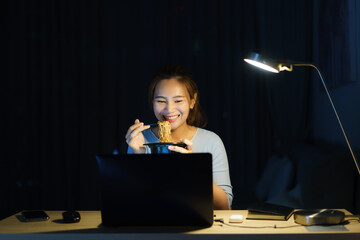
(262, 65)
(267, 64)
(306, 217)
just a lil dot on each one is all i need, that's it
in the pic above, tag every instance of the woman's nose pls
(169, 106)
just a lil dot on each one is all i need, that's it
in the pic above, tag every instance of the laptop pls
(156, 189)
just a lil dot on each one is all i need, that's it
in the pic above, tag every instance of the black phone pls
(35, 215)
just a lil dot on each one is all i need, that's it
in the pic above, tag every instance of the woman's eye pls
(160, 101)
(179, 101)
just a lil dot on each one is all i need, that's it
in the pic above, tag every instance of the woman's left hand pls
(188, 148)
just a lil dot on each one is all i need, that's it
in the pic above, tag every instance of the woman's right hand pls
(135, 138)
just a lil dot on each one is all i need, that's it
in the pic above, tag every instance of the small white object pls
(236, 218)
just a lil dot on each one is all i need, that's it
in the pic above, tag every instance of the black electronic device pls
(71, 217)
(156, 189)
(35, 215)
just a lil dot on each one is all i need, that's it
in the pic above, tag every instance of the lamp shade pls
(257, 60)
(270, 65)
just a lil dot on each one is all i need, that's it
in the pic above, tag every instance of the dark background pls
(76, 76)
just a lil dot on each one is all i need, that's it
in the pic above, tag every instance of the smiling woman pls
(174, 98)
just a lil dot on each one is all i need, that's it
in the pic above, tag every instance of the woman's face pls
(172, 102)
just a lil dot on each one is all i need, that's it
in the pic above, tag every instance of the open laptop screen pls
(156, 190)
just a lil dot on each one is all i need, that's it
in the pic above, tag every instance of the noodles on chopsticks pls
(164, 131)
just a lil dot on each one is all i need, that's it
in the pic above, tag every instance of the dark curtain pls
(77, 75)
(336, 41)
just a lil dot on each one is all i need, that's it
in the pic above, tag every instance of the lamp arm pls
(336, 113)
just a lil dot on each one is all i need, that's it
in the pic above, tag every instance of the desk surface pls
(90, 227)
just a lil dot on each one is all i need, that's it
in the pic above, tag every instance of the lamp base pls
(319, 217)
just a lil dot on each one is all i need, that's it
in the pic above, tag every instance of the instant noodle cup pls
(162, 148)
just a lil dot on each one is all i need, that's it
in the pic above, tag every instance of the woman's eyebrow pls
(177, 96)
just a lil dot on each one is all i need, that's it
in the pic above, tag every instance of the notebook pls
(268, 211)
(156, 189)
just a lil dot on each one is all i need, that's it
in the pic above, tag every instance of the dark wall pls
(337, 51)
(336, 43)
(76, 75)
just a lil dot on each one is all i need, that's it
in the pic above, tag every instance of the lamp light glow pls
(261, 65)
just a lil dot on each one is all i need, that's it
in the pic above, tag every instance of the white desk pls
(90, 228)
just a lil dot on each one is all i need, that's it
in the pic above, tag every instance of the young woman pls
(174, 97)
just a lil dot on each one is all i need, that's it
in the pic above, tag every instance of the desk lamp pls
(306, 217)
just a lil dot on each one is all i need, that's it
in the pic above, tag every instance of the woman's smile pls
(171, 118)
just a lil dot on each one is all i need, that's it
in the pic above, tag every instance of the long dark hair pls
(197, 116)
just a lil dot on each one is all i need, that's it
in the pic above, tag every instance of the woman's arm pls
(220, 198)
(222, 185)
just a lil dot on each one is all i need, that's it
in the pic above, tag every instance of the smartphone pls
(37, 215)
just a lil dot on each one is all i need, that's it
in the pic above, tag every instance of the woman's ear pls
(193, 101)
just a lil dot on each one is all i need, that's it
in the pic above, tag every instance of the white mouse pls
(236, 218)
